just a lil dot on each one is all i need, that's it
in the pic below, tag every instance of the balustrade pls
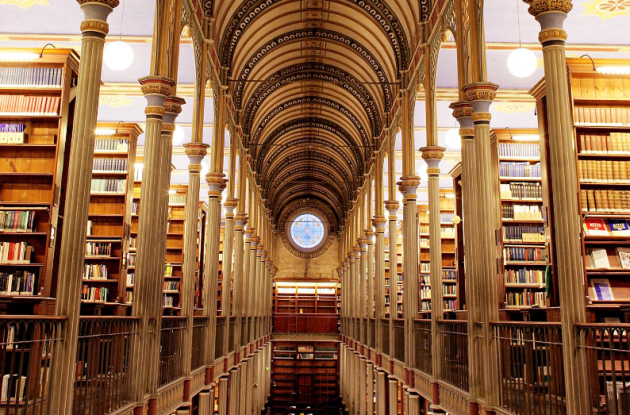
(171, 352)
(454, 369)
(198, 341)
(424, 344)
(385, 325)
(399, 340)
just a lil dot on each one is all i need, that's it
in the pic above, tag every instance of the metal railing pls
(102, 366)
(171, 353)
(424, 344)
(200, 328)
(27, 345)
(606, 348)
(399, 340)
(220, 337)
(454, 362)
(531, 367)
(385, 324)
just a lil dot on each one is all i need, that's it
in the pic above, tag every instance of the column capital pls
(462, 112)
(408, 186)
(480, 95)
(537, 7)
(95, 14)
(195, 152)
(379, 223)
(216, 184)
(240, 220)
(156, 89)
(392, 207)
(229, 206)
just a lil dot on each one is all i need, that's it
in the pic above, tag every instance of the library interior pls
(314, 207)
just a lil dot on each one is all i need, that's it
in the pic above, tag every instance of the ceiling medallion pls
(25, 4)
(114, 101)
(607, 9)
(513, 107)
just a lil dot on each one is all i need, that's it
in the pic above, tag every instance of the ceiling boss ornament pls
(607, 9)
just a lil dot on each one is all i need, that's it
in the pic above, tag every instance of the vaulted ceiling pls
(313, 80)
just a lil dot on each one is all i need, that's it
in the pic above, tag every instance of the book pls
(601, 288)
(600, 258)
(624, 257)
(619, 227)
(595, 227)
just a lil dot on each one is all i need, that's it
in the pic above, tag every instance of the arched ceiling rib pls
(313, 80)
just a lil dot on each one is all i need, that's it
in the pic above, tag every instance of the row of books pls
(35, 77)
(11, 133)
(137, 174)
(604, 171)
(513, 253)
(169, 301)
(95, 272)
(525, 276)
(17, 220)
(96, 294)
(521, 233)
(450, 275)
(601, 115)
(520, 191)
(131, 260)
(521, 212)
(425, 279)
(601, 258)
(425, 293)
(117, 165)
(514, 169)
(525, 298)
(608, 227)
(15, 252)
(615, 143)
(29, 104)
(17, 283)
(519, 150)
(129, 297)
(614, 201)
(447, 203)
(111, 144)
(98, 249)
(134, 208)
(168, 270)
(13, 387)
(109, 186)
(425, 267)
(171, 286)
(446, 217)
(176, 199)
(449, 289)
(449, 304)
(131, 279)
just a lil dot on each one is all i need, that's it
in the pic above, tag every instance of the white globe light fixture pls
(118, 55)
(522, 62)
(453, 140)
(178, 135)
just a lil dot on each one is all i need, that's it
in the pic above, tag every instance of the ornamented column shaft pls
(216, 183)
(370, 388)
(393, 395)
(362, 300)
(379, 224)
(408, 186)
(94, 28)
(381, 392)
(156, 90)
(223, 395)
(480, 96)
(251, 288)
(234, 391)
(362, 385)
(244, 386)
(414, 404)
(240, 220)
(563, 172)
(195, 152)
(433, 155)
(462, 111)
(392, 208)
(228, 239)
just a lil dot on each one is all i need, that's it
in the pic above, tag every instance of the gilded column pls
(205, 403)
(564, 181)
(195, 151)
(369, 237)
(223, 395)
(433, 156)
(228, 239)
(240, 220)
(381, 393)
(392, 208)
(393, 395)
(370, 388)
(362, 300)
(408, 186)
(480, 96)
(362, 385)
(94, 28)
(462, 111)
(234, 390)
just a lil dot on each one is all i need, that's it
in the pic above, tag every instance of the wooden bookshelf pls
(109, 220)
(523, 246)
(303, 372)
(220, 276)
(35, 145)
(302, 297)
(174, 249)
(447, 237)
(601, 114)
(391, 276)
(201, 245)
(460, 270)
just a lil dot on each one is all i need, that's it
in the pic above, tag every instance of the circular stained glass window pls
(307, 231)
